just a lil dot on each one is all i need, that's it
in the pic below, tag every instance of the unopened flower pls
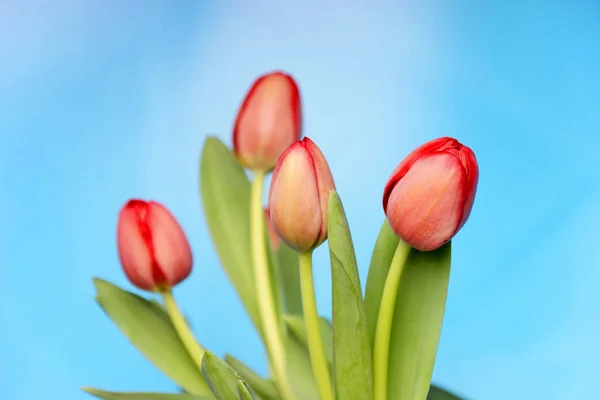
(429, 196)
(153, 249)
(299, 195)
(269, 120)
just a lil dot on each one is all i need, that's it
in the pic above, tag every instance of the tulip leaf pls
(300, 370)
(353, 372)
(221, 378)
(265, 388)
(225, 191)
(275, 273)
(290, 279)
(417, 322)
(149, 329)
(385, 247)
(437, 393)
(295, 324)
(103, 394)
(245, 392)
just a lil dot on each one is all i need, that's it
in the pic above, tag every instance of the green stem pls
(383, 331)
(183, 330)
(270, 321)
(311, 320)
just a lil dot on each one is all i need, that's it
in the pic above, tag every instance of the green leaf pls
(437, 393)
(295, 323)
(275, 274)
(102, 394)
(225, 191)
(265, 388)
(290, 279)
(221, 378)
(385, 247)
(353, 370)
(299, 370)
(417, 322)
(245, 392)
(149, 329)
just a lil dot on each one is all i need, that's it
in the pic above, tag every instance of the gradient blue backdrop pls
(101, 101)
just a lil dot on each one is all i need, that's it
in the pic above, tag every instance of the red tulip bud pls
(269, 120)
(299, 195)
(272, 234)
(429, 196)
(153, 249)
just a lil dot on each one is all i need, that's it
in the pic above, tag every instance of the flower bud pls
(153, 249)
(299, 195)
(269, 120)
(272, 234)
(429, 196)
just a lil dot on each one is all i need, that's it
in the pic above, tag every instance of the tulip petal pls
(294, 197)
(325, 183)
(170, 245)
(269, 120)
(469, 162)
(134, 252)
(409, 160)
(426, 205)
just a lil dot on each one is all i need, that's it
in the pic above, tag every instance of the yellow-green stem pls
(383, 331)
(311, 320)
(183, 330)
(270, 321)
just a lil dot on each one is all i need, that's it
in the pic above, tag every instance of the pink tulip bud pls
(299, 195)
(429, 196)
(153, 249)
(272, 234)
(269, 120)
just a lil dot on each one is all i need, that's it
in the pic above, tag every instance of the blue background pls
(101, 101)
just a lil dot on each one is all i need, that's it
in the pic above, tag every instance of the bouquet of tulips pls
(380, 345)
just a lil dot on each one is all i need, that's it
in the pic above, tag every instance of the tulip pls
(429, 196)
(272, 234)
(269, 120)
(153, 249)
(299, 195)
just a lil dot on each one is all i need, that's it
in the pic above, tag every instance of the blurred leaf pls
(295, 324)
(300, 370)
(221, 378)
(417, 323)
(275, 274)
(265, 388)
(437, 393)
(353, 370)
(149, 329)
(290, 279)
(225, 191)
(102, 394)
(245, 391)
(385, 247)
